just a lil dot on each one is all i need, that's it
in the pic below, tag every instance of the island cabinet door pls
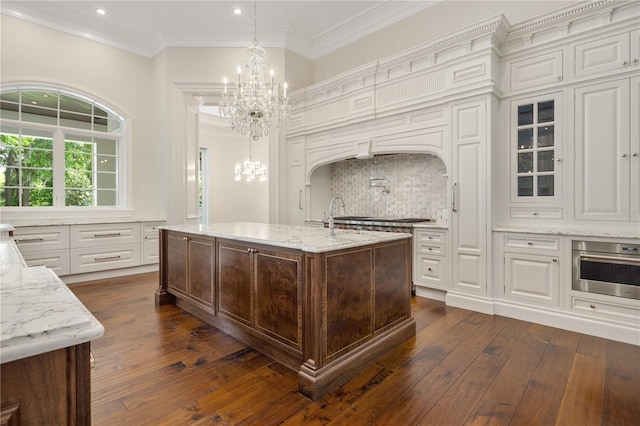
(278, 295)
(235, 269)
(189, 268)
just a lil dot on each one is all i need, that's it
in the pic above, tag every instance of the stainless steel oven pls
(607, 268)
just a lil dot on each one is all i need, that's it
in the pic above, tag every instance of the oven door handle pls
(612, 259)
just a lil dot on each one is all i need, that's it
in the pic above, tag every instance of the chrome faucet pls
(331, 219)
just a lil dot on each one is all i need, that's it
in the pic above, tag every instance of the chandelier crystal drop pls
(255, 108)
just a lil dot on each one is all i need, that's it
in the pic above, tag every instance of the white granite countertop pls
(432, 225)
(38, 311)
(592, 232)
(61, 222)
(311, 239)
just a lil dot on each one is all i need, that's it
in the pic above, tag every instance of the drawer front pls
(429, 271)
(56, 260)
(605, 309)
(535, 213)
(430, 249)
(428, 236)
(100, 235)
(104, 258)
(532, 242)
(41, 238)
(532, 72)
(151, 228)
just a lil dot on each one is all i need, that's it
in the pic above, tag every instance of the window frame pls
(124, 207)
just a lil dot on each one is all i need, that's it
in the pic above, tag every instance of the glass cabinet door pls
(534, 147)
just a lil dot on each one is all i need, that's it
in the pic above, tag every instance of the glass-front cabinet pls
(535, 146)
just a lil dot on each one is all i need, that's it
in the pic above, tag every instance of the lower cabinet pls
(261, 288)
(531, 268)
(429, 259)
(190, 270)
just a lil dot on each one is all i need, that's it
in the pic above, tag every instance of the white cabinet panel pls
(528, 242)
(602, 55)
(601, 306)
(296, 187)
(468, 203)
(535, 213)
(41, 238)
(104, 258)
(602, 151)
(429, 258)
(430, 272)
(634, 149)
(536, 71)
(56, 260)
(635, 48)
(530, 277)
(104, 234)
(150, 242)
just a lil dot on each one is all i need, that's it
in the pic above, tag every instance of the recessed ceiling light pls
(101, 11)
(237, 11)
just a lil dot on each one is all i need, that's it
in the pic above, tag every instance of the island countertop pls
(38, 311)
(311, 239)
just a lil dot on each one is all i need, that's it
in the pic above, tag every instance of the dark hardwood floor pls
(159, 365)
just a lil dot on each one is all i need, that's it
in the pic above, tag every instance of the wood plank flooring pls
(161, 366)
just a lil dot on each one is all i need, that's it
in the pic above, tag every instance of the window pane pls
(78, 179)
(106, 181)
(106, 163)
(78, 197)
(10, 96)
(39, 115)
(73, 104)
(545, 161)
(107, 198)
(9, 111)
(525, 138)
(525, 186)
(11, 176)
(106, 146)
(545, 136)
(525, 115)
(77, 121)
(545, 112)
(525, 162)
(9, 197)
(545, 186)
(38, 158)
(37, 197)
(45, 99)
(38, 178)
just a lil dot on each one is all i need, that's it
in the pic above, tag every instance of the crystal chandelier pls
(255, 108)
(250, 169)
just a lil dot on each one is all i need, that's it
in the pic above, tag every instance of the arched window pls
(59, 149)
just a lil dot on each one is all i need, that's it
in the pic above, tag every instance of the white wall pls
(31, 52)
(427, 25)
(231, 201)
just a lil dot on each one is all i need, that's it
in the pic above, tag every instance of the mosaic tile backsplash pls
(403, 185)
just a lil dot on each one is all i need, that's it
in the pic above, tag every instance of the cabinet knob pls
(431, 238)
(635, 154)
(624, 155)
(625, 63)
(558, 159)
(430, 249)
(635, 61)
(429, 269)
(559, 78)
(535, 213)
(529, 243)
(592, 306)
(555, 260)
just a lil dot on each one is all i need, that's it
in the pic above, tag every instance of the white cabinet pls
(536, 71)
(99, 247)
(151, 242)
(429, 259)
(469, 197)
(296, 187)
(44, 246)
(531, 269)
(607, 54)
(606, 307)
(606, 156)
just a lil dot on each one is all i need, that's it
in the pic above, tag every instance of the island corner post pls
(326, 315)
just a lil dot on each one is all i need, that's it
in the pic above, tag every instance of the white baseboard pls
(92, 276)
(472, 302)
(431, 293)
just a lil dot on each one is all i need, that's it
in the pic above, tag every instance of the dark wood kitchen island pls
(323, 306)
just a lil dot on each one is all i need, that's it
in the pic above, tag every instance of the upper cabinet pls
(535, 145)
(540, 70)
(607, 54)
(607, 183)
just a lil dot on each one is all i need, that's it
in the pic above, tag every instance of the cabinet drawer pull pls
(29, 239)
(592, 306)
(429, 269)
(107, 234)
(101, 259)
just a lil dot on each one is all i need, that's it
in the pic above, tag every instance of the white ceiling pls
(308, 27)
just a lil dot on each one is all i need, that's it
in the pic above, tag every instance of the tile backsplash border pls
(403, 185)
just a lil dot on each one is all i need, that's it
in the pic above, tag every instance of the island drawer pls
(41, 238)
(104, 258)
(100, 235)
